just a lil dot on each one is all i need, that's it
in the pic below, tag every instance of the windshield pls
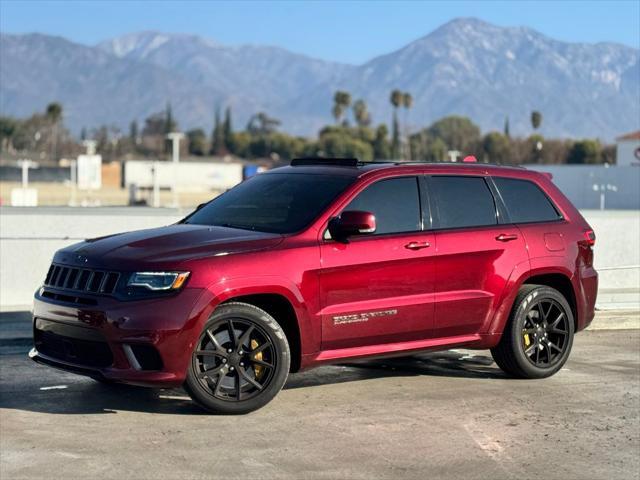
(274, 202)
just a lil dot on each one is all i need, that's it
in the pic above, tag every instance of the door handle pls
(506, 237)
(417, 245)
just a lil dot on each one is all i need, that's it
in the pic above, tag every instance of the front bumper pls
(146, 342)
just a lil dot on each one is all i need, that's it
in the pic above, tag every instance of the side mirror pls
(200, 206)
(352, 222)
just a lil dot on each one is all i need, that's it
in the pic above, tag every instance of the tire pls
(240, 362)
(538, 337)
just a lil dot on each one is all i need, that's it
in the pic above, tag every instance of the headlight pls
(158, 281)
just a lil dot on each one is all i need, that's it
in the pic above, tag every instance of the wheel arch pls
(280, 308)
(560, 282)
(554, 277)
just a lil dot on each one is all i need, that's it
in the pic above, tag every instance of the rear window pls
(463, 202)
(525, 201)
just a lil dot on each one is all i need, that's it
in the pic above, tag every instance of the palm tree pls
(536, 119)
(341, 102)
(54, 112)
(53, 115)
(407, 102)
(361, 113)
(396, 100)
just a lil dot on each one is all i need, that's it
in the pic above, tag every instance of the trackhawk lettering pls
(361, 317)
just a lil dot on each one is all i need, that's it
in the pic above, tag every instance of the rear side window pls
(463, 202)
(525, 201)
(394, 202)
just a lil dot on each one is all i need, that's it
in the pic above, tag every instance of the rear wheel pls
(240, 362)
(539, 335)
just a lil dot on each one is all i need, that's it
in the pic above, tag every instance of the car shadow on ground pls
(63, 393)
(441, 364)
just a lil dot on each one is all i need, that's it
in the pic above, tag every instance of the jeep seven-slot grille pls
(81, 279)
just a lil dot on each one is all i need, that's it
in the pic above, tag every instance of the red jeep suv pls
(320, 262)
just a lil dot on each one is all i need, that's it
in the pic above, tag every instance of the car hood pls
(165, 245)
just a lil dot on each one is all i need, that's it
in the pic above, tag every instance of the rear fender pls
(539, 266)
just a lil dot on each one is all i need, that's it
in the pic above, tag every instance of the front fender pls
(227, 289)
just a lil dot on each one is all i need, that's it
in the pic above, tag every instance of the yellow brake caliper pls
(527, 340)
(258, 369)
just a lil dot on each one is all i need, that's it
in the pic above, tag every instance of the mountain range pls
(465, 67)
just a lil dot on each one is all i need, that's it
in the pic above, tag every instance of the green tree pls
(54, 115)
(536, 119)
(341, 102)
(54, 112)
(507, 133)
(341, 144)
(262, 124)
(457, 132)
(170, 125)
(133, 132)
(536, 153)
(407, 102)
(396, 100)
(8, 127)
(228, 130)
(361, 113)
(240, 142)
(585, 151)
(217, 136)
(436, 151)
(381, 145)
(197, 140)
(497, 147)
(154, 125)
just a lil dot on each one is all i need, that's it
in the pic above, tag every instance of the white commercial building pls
(628, 149)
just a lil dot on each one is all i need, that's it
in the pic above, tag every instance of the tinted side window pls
(525, 201)
(463, 202)
(394, 202)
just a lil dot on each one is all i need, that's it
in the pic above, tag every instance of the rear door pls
(378, 288)
(476, 255)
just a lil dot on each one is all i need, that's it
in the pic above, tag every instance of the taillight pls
(590, 237)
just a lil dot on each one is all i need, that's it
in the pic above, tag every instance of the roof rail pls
(309, 161)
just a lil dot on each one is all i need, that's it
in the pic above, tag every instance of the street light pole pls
(602, 188)
(175, 138)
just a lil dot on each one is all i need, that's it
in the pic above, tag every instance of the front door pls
(378, 288)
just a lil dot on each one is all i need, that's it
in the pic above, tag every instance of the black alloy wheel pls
(240, 362)
(538, 337)
(545, 333)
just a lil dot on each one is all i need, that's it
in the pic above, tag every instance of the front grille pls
(75, 279)
(71, 344)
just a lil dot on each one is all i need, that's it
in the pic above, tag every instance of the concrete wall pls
(30, 236)
(577, 181)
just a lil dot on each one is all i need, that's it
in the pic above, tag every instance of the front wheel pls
(240, 362)
(539, 335)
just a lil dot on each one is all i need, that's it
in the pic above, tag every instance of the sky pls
(344, 31)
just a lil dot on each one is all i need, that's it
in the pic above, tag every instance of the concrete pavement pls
(441, 415)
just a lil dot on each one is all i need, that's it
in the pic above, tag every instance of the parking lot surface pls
(439, 415)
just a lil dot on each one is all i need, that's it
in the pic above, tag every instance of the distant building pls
(628, 149)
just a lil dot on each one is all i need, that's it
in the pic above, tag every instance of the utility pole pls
(175, 138)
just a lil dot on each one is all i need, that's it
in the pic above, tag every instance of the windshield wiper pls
(233, 225)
